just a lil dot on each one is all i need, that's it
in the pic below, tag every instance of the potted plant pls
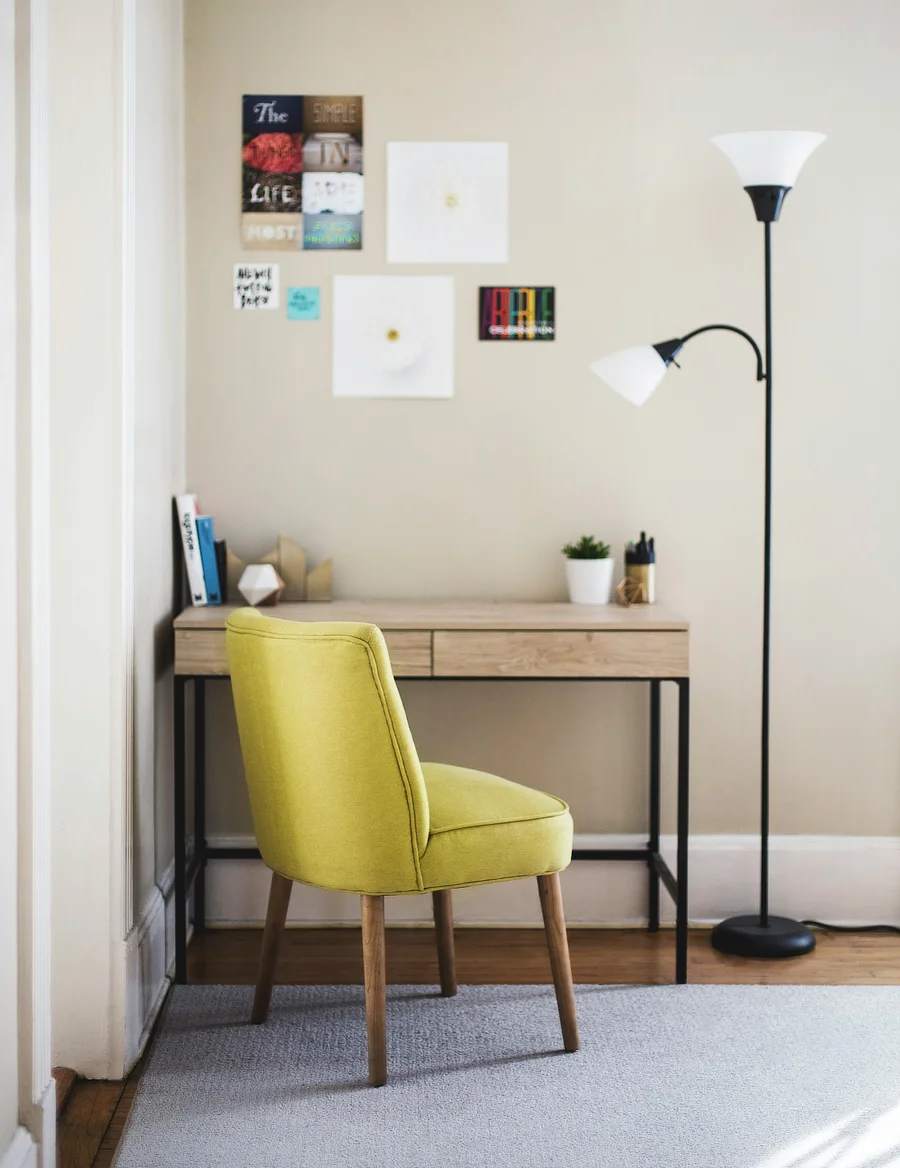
(589, 571)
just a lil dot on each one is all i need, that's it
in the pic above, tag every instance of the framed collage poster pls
(302, 184)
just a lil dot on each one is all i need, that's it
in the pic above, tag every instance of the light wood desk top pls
(456, 614)
(476, 638)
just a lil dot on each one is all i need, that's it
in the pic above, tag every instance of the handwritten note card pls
(255, 286)
(303, 304)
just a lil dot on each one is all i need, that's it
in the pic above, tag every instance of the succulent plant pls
(587, 548)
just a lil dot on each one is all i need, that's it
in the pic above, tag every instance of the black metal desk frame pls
(190, 863)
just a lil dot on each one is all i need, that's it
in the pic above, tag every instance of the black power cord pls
(852, 928)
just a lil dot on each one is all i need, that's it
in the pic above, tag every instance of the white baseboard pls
(166, 884)
(21, 1153)
(150, 955)
(850, 880)
(145, 956)
(47, 1118)
(40, 1130)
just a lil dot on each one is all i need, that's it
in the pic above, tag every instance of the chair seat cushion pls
(484, 829)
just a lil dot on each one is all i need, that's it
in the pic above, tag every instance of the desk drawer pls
(410, 653)
(561, 654)
(202, 651)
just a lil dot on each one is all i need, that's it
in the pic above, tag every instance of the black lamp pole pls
(759, 934)
(767, 608)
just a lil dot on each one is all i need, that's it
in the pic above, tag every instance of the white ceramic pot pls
(590, 581)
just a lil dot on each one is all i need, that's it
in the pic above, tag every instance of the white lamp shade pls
(634, 373)
(768, 158)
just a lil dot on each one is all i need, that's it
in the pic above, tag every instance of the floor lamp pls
(767, 164)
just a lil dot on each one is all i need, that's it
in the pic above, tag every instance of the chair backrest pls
(336, 789)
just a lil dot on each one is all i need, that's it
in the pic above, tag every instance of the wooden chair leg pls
(279, 896)
(443, 927)
(558, 945)
(376, 991)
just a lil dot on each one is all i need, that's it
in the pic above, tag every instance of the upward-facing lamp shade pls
(634, 373)
(768, 162)
(768, 158)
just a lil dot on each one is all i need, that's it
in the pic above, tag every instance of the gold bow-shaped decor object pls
(631, 591)
(290, 562)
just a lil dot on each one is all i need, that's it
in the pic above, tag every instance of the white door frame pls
(37, 1094)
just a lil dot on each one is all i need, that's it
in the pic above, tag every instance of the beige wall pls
(619, 200)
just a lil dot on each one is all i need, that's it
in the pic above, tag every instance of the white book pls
(187, 525)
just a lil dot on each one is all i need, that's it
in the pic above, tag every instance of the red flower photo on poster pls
(272, 154)
(275, 153)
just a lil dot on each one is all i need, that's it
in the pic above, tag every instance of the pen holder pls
(645, 575)
(640, 567)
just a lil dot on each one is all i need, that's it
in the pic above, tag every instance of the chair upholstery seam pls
(349, 638)
(499, 822)
(401, 766)
(424, 887)
(484, 883)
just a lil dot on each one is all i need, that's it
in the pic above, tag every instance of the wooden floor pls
(95, 1114)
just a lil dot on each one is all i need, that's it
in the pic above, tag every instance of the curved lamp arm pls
(668, 350)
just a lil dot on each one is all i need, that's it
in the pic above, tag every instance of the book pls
(207, 542)
(222, 567)
(186, 506)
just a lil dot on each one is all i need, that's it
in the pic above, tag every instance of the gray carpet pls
(671, 1076)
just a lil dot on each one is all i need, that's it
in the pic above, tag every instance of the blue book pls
(207, 541)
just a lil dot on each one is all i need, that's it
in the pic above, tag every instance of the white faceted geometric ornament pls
(260, 584)
(768, 158)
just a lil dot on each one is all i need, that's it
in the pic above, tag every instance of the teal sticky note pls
(303, 303)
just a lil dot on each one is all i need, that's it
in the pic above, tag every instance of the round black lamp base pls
(746, 937)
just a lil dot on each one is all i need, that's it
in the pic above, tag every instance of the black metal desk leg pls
(684, 756)
(653, 845)
(200, 801)
(180, 834)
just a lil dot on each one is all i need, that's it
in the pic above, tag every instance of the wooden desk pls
(462, 640)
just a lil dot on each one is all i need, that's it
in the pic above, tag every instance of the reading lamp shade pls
(768, 158)
(634, 373)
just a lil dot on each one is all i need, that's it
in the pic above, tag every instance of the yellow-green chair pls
(341, 801)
